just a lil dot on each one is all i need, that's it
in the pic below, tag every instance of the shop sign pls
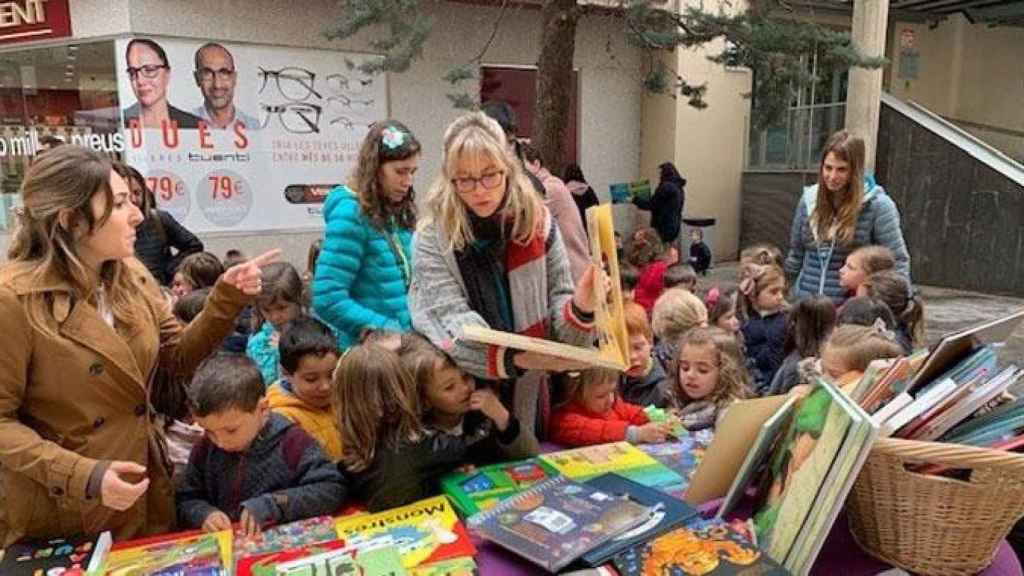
(28, 20)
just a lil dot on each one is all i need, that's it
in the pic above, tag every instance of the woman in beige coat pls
(84, 326)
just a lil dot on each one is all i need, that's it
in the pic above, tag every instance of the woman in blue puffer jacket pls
(842, 212)
(364, 268)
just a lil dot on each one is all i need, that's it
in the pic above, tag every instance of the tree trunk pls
(554, 81)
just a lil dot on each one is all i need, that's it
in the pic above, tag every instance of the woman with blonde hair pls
(87, 331)
(846, 209)
(364, 268)
(489, 254)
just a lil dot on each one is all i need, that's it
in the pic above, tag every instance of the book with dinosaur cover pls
(557, 521)
(666, 513)
(700, 548)
(613, 342)
(484, 487)
(424, 532)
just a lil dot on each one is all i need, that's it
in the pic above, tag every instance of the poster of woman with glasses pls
(149, 72)
(255, 131)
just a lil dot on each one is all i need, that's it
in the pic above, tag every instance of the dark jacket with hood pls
(154, 239)
(666, 205)
(283, 476)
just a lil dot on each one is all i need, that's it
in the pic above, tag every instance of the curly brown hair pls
(733, 378)
(374, 153)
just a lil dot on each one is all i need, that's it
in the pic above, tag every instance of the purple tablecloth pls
(841, 555)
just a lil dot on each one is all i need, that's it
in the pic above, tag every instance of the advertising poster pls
(237, 137)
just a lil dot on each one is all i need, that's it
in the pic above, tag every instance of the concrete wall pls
(610, 92)
(968, 72)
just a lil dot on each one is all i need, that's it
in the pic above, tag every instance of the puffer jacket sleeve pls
(440, 309)
(570, 426)
(886, 231)
(795, 257)
(339, 264)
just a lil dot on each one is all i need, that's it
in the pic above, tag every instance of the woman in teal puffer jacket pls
(364, 268)
(842, 212)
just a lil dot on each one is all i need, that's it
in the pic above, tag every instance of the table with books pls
(787, 484)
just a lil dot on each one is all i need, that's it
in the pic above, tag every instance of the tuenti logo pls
(25, 20)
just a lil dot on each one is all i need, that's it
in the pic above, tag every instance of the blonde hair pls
(65, 180)
(375, 403)
(420, 359)
(859, 345)
(843, 220)
(763, 254)
(733, 378)
(579, 384)
(874, 258)
(676, 312)
(476, 134)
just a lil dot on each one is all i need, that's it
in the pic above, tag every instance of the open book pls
(612, 340)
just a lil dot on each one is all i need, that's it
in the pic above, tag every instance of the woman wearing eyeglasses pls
(150, 73)
(490, 254)
(364, 269)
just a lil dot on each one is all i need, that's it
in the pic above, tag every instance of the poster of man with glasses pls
(252, 148)
(216, 77)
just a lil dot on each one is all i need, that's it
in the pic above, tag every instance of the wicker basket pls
(932, 524)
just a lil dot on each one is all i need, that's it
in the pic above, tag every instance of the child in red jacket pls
(595, 414)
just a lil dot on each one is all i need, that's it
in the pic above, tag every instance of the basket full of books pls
(940, 493)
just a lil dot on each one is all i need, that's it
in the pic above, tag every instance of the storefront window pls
(66, 93)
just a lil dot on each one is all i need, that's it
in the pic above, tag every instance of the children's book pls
(979, 397)
(626, 192)
(758, 454)
(267, 564)
(620, 457)
(735, 433)
(487, 485)
(424, 532)
(610, 326)
(666, 513)
(832, 495)
(875, 371)
(682, 456)
(557, 521)
(953, 347)
(383, 561)
(798, 468)
(251, 550)
(31, 556)
(462, 566)
(699, 548)
(198, 555)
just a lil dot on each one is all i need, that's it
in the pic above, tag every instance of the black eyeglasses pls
(222, 74)
(488, 180)
(295, 84)
(295, 117)
(148, 71)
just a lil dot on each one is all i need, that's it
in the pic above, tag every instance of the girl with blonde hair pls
(846, 209)
(676, 312)
(87, 332)
(489, 254)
